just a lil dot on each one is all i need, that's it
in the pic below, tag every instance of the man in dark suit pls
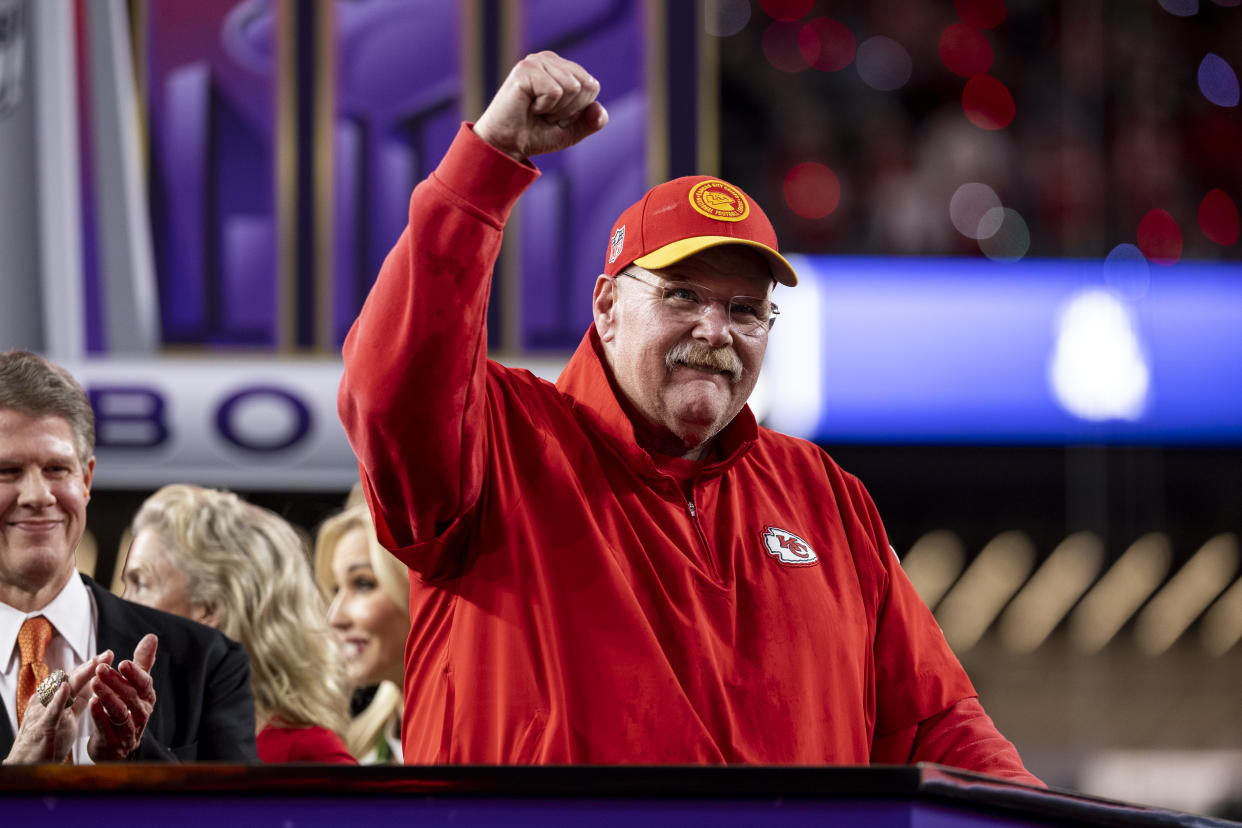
(193, 702)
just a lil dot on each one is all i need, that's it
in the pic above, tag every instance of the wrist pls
(484, 135)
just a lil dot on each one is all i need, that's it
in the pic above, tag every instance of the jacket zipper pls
(698, 528)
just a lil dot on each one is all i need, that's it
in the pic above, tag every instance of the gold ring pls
(48, 687)
(115, 723)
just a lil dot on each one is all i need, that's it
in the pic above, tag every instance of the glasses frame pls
(714, 297)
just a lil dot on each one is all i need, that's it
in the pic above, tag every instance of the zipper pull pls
(690, 506)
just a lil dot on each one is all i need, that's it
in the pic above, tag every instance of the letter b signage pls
(128, 417)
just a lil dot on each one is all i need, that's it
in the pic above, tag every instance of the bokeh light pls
(1217, 81)
(1012, 238)
(780, 47)
(1218, 217)
(1099, 367)
(812, 190)
(1127, 272)
(723, 18)
(1160, 238)
(982, 14)
(786, 10)
(965, 51)
(883, 63)
(973, 210)
(827, 44)
(1181, 8)
(987, 102)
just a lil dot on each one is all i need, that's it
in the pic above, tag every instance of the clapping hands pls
(120, 701)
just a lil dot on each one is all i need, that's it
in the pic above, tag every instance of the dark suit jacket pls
(203, 706)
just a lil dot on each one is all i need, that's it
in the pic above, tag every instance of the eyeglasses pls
(687, 301)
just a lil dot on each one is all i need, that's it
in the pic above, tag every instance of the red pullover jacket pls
(574, 600)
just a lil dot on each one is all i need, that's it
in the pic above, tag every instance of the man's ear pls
(604, 306)
(88, 475)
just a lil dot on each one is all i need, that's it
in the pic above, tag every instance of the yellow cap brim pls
(672, 253)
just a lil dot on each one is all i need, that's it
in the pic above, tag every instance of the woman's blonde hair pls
(393, 577)
(249, 567)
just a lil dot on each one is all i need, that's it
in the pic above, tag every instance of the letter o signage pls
(228, 419)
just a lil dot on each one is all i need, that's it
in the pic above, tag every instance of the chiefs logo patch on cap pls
(788, 548)
(719, 200)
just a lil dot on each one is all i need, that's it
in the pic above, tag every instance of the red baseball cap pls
(687, 215)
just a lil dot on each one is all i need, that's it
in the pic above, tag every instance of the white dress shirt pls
(74, 616)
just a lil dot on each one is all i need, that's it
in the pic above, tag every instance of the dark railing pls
(223, 796)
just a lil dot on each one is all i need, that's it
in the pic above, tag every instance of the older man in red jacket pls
(624, 567)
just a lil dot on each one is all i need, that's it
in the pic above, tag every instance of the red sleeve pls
(927, 710)
(916, 673)
(961, 737)
(412, 394)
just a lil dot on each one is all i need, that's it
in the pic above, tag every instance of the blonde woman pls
(370, 613)
(210, 556)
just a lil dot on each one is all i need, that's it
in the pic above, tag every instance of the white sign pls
(240, 423)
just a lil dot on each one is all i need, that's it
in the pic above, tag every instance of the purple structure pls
(211, 98)
(219, 80)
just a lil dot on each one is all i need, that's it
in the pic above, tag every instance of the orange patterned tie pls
(32, 641)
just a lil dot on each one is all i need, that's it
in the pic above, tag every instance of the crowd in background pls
(1109, 124)
(324, 620)
(325, 631)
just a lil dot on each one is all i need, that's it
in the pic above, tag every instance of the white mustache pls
(698, 355)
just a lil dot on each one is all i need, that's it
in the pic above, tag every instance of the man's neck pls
(665, 442)
(700, 452)
(33, 598)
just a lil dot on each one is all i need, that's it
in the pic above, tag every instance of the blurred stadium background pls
(1020, 321)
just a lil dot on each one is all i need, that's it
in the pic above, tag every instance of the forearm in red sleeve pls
(412, 395)
(926, 707)
(961, 737)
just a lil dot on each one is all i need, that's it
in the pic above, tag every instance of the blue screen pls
(919, 350)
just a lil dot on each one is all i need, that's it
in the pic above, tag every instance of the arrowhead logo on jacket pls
(788, 548)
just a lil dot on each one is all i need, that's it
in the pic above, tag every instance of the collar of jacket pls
(588, 382)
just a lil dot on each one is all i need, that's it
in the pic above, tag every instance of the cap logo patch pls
(719, 200)
(788, 548)
(618, 242)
